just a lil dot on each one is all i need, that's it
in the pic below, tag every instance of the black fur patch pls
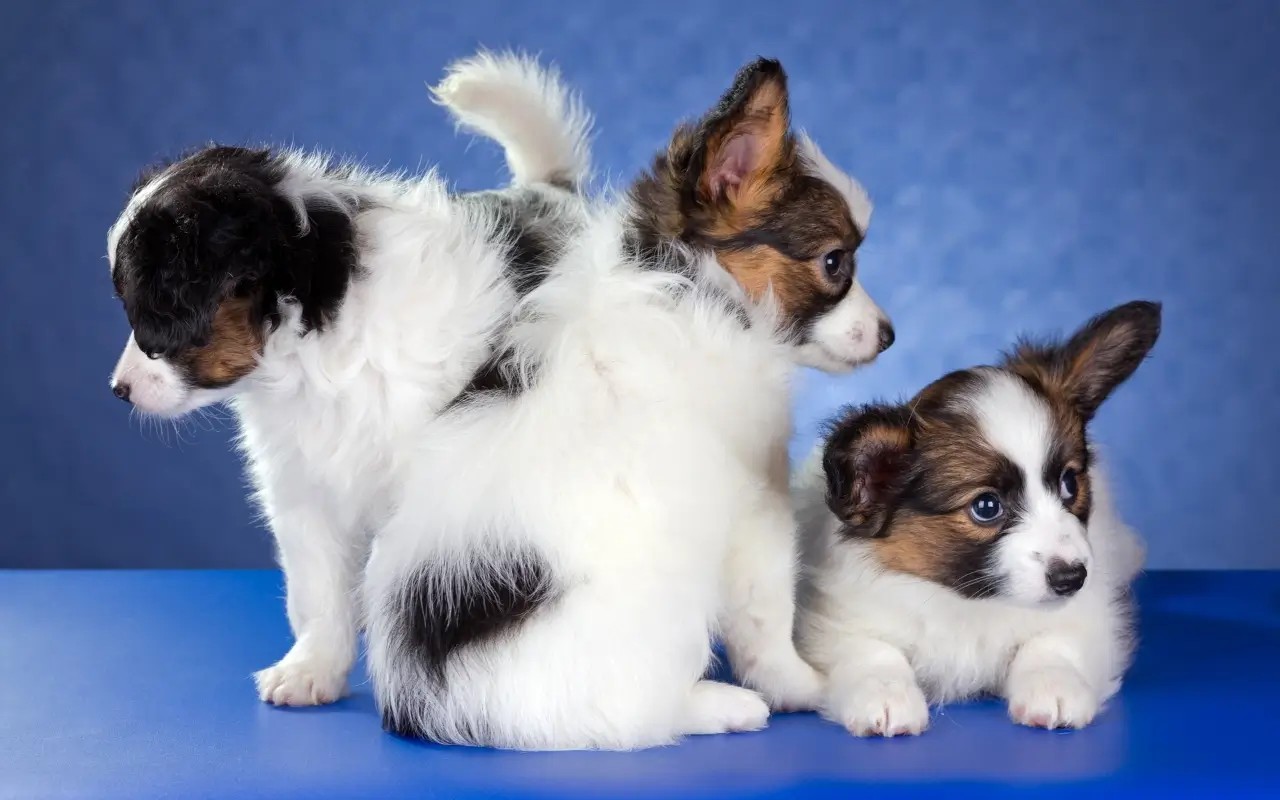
(217, 228)
(496, 378)
(445, 608)
(533, 228)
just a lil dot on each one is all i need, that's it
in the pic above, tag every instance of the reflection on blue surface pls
(137, 684)
(1032, 164)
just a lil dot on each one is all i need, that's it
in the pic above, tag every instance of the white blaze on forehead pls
(130, 211)
(856, 196)
(1015, 421)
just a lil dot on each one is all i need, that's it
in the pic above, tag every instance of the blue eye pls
(986, 508)
(1068, 485)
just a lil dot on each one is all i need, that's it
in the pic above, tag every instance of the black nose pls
(1065, 579)
(121, 390)
(886, 336)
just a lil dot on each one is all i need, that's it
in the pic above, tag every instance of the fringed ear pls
(866, 460)
(744, 139)
(1100, 356)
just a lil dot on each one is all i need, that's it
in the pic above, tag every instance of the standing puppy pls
(967, 542)
(338, 311)
(571, 532)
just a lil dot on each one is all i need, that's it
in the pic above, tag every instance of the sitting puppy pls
(574, 531)
(967, 543)
(338, 311)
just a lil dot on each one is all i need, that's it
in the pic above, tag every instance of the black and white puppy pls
(337, 310)
(567, 547)
(965, 542)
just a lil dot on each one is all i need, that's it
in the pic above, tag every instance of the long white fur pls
(543, 127)
(893, 643)
(328, 420)
(628, 467)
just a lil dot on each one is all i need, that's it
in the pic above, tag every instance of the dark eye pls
(837, 264)
(155, 355)
(1068, 485)
(986, 508)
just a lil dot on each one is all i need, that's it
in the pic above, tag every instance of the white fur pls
(846, 336)
(328, 418)
(854, 193)
(1018, 423)
(543, 127)
(628, 466)
(849, 334)
(892, 642)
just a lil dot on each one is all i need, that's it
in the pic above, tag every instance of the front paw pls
(796, 687)
(880, 706)
(302, 682)
(1052, 697)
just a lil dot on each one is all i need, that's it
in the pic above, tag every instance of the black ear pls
(185, 255)
(866, 459)
(1097, 358)
(744, 137)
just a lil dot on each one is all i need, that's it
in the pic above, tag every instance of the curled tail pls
(523, 106)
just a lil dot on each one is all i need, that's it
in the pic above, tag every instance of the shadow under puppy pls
(567, 547)
(965, 542)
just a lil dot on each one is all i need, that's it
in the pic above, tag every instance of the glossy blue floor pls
(135, 684)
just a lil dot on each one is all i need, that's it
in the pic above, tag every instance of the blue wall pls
(1032, 163)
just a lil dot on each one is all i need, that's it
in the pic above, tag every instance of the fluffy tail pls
(524, 107)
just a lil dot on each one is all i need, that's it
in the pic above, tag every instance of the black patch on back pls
(532, 227)
(218, 228)
(496, 378)
(445, 608)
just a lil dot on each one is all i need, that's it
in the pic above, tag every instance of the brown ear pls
(866, 460)
(1096, 359)
(744, 139)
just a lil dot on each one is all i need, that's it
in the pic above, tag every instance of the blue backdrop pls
(1031, 163)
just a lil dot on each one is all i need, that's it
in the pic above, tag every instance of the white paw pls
(722, 708)
(302, 682)
(881, 706)
(1052, 697)
(793, 687)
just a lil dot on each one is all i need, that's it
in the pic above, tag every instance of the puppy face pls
(201, 258)
(981, 482)
(782, 220)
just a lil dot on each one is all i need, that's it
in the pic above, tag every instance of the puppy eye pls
(1068, 485)
(986, 508)
(838, 264)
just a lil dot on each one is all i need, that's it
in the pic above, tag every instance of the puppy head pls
(782, 220)
(981, 482)
(203, 255)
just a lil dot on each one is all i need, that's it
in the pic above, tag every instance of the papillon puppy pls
(337, 311)
(965, 542)
(576, 529)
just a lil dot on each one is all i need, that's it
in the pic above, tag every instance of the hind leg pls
(722, 708)
(759, 608)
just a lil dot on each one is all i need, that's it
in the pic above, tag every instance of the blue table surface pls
(136, 684)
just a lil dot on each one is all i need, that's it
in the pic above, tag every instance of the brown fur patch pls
(234, 346)
(930, 546)
(771, 225)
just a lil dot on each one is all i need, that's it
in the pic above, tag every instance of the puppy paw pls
(1053, 697)
(722, 708)
(881, 706)
(790, 686)
(302, 682)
